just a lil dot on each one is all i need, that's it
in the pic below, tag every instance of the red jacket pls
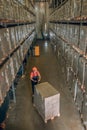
(34, 74)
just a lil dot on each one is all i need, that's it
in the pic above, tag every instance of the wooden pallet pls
(52, 118)
(45, 120)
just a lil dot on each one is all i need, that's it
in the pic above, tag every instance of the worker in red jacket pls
(35, 77)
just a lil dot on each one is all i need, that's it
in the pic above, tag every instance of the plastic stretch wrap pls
(47, 101)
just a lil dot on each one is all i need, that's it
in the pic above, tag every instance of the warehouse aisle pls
(23, 116)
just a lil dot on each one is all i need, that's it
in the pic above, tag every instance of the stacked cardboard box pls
(47, 101)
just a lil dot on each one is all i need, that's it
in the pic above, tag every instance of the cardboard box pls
(47, 101)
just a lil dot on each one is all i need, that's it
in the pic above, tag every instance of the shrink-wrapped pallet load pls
(47, 101)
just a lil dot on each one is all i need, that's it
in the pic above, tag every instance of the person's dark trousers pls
(33, 85)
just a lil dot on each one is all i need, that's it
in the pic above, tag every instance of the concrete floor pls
(23, 116)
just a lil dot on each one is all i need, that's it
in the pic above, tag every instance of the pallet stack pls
(47, 101)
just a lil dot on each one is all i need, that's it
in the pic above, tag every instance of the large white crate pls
(47, 101)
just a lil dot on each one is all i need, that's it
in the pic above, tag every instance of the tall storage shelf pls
(68, 30)
(16, 35)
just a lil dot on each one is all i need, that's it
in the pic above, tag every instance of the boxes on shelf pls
(47, 101)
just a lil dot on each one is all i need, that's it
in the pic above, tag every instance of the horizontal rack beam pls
(84, 23)
(7, 25)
